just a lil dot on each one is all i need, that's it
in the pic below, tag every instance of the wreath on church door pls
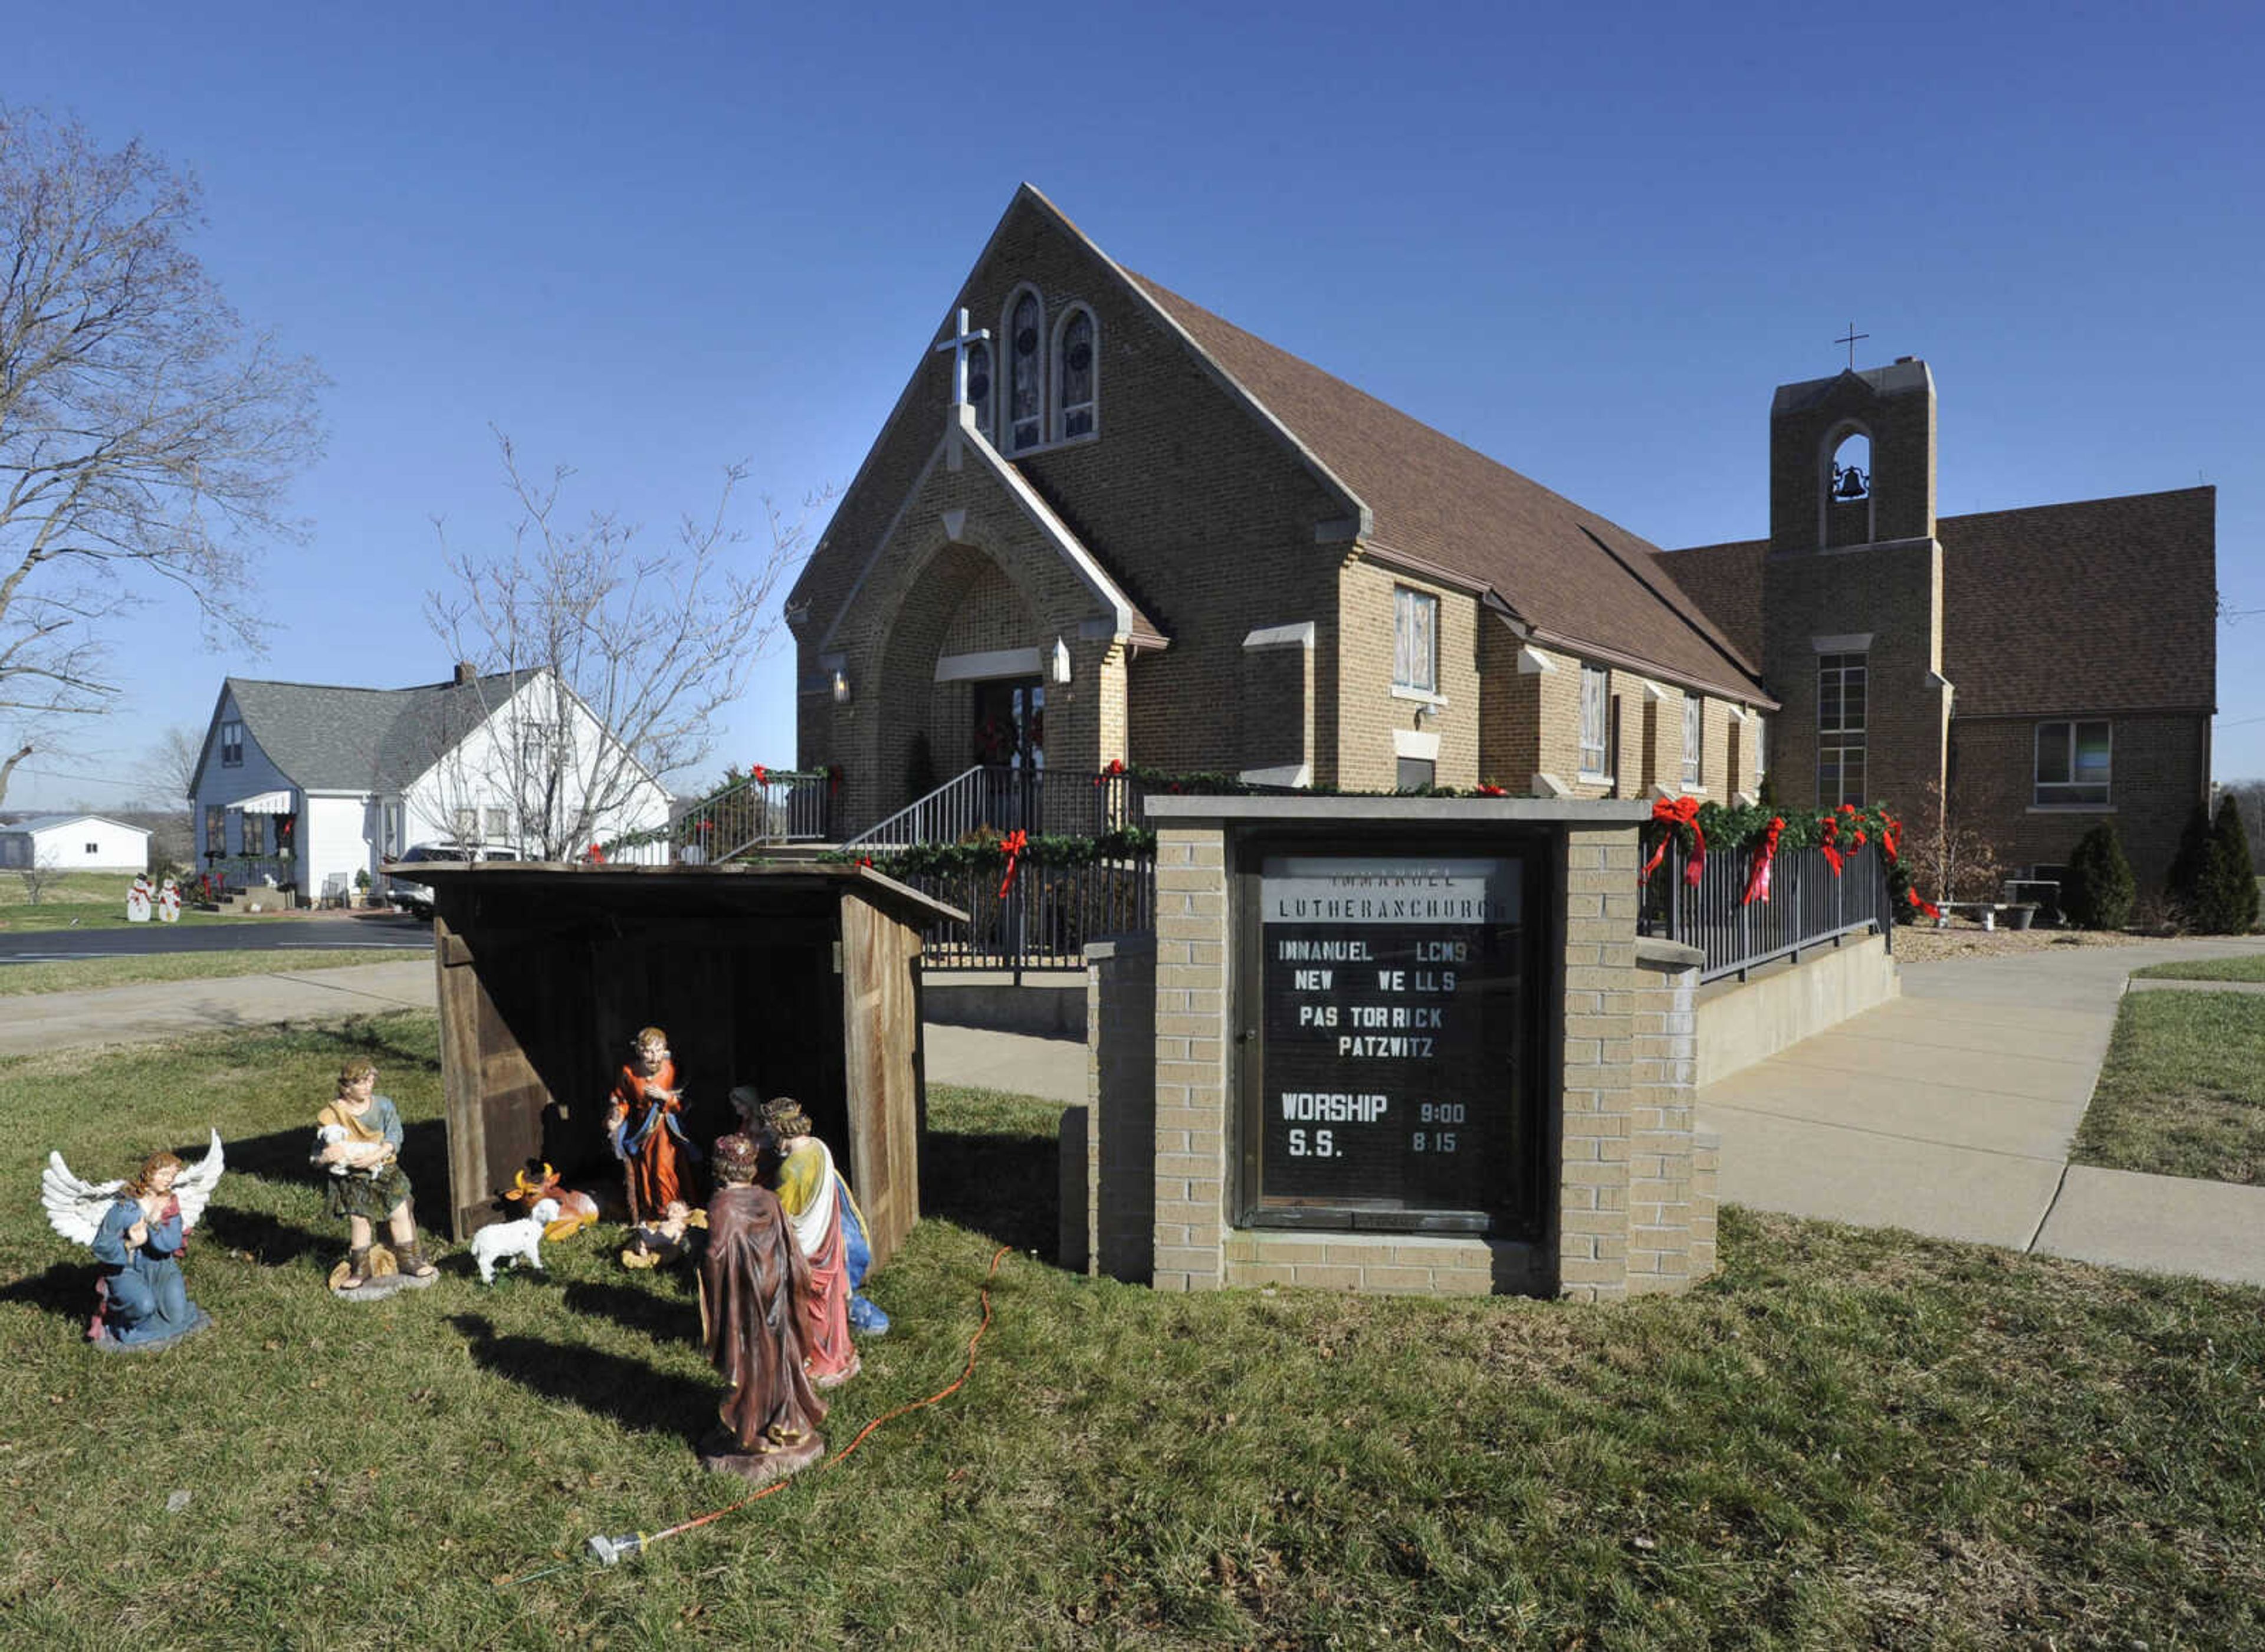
(995, 741)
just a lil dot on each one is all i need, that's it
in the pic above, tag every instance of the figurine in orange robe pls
(647, 1134)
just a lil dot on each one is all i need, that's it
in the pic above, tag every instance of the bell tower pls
(1851, 459)
(1853, 589)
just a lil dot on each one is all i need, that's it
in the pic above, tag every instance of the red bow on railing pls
(1672, 812)
(833, 780)
(762, 774)
(1828, 843)
(597, 855)
(1758, 881)
(1891, 832)
(1013, 845)
(1922, 903)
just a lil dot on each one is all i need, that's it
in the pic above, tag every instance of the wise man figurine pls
(752, 1280)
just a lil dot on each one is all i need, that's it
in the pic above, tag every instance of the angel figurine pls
(137, 1228)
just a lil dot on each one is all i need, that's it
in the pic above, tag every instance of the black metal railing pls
(1003, 799)
(1045, 919)
(788, 808)
(1807, 905)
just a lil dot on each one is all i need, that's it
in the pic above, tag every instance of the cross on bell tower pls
(1849, 338)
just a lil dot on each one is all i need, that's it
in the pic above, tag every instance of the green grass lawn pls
(88, 900)
(76, 975)
(2182, 1092)
(1851, 1437)
(2248, 967)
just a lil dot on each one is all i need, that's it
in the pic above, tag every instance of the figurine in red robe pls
(647, 1134)
(752, 1280)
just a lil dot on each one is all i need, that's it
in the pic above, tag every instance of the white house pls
(75, 843)
(306, 784)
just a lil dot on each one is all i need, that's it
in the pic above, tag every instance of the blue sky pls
(650, 241)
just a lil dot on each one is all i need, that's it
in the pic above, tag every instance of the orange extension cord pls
(642, 1542)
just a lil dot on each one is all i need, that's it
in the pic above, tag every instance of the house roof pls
(1578, 579)
(48, 822)
(328, 738)
(2025, 592)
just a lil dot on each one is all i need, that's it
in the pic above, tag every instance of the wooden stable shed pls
(802, 980)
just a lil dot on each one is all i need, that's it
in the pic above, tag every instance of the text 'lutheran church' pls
(1146, 536)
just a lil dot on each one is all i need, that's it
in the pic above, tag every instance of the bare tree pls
(146, 439)
(1950, 859)
(39, 877)
(584, 624)
(170, 767)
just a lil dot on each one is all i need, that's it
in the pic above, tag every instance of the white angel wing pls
(194, 1187)
(75, 1208)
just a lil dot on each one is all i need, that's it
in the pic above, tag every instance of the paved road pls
(250, 935)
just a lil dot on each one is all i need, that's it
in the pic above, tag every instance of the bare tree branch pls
(650, 641)
(146, 439)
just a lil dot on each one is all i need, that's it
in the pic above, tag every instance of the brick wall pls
(1116, 1214)
(2160, 770)
(1367, 710)
(1894, 593)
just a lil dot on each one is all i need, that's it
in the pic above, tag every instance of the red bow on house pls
(1672, 812)
(1013, 843)
(834, 779)
(1758, 881)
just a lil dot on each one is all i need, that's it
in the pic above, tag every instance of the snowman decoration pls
(137, 900)
(169, 902)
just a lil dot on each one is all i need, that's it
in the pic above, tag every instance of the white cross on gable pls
(958, 344)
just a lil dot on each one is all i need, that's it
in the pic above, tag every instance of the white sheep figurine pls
(502, 1241)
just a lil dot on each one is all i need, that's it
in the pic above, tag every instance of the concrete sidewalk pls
(1950, 1112)
(156, 1010)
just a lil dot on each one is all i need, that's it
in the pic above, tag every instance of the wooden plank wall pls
(881, 1013)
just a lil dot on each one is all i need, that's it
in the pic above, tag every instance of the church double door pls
(1009, 740)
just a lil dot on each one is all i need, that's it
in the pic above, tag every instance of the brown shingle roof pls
(2105, 605)
(1579, 580)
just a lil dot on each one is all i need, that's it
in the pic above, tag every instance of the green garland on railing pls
(1215, 783)
(1727, 828)
(980, 851)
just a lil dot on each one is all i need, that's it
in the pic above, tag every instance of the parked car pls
(417, 898)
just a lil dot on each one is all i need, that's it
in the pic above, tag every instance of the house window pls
(1415, 773)
(94, 848)
(1026, 370)
(1694, 738)
(255, 834)
(463, 825)
(231, 745)
(1077, 374)
(979, 389)
(1596, 706)
(499, 825)
(1761, 745)
(1840, 729)
(1415, 641)
(215, 829)
(2073, 764)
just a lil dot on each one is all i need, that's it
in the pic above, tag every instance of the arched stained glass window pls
(1076, 374)
(1026, 371)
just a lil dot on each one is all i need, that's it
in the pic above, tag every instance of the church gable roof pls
(1578, 578)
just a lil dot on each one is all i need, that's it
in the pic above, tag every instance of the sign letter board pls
(1393, 1032)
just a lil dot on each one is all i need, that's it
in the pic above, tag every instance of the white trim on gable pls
(1298, 636)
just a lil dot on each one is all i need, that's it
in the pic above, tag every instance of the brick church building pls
(1147, 535)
